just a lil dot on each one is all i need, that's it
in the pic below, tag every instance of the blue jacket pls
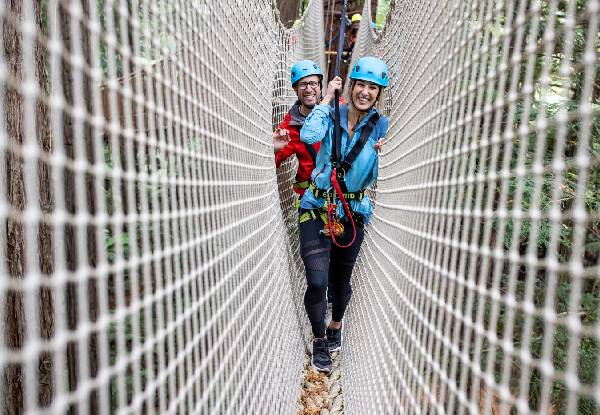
(318, 126)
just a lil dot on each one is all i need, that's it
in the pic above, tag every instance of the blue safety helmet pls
(305, 68)
(371, 69)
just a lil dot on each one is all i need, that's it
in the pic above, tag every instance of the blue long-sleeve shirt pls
(318, 126)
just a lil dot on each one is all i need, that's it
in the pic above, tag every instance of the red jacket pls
(293, 122)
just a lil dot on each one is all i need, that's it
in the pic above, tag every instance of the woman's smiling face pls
(364, 94)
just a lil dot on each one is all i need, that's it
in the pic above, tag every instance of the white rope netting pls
(144, 259)
(478, 284)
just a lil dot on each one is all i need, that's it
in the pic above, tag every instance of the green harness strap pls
(310, 214)
(301, 185)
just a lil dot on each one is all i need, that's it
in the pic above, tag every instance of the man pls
(354, 26)
(306, 77)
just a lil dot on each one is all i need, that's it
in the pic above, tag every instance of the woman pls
(327, 257)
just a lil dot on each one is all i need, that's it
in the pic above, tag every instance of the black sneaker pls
(334, 338)
(321, 358)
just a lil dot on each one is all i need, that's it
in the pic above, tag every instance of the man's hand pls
(281, 138)
(334, 85)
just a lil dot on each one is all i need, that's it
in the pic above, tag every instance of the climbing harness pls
(338, 173)
(338, 182)
(333, 226)
(322, 213)
(346, 163)
(358, 196)
(341, 165)
(301, 185)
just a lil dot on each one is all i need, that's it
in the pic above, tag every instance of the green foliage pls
(383, 7)
(122, 240)
(149, 41)
(124, 330)
(542, 192)
(588, 351)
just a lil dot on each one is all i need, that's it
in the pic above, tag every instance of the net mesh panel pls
(144, 261)
(303, 41)
(149, 259)
(477, 288)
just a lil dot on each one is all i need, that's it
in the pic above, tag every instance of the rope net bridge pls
(149, 259)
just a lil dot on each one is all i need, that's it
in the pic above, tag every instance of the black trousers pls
(327, 265)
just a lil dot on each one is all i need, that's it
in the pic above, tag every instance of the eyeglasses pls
(304, 85)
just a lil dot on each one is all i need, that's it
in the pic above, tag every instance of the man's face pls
(308, 90)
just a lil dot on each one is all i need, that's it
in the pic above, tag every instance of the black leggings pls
(327, 264)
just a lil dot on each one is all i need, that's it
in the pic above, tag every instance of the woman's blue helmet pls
(305, 68)
(371, 69)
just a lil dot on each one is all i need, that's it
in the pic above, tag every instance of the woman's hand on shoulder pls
(383, 128)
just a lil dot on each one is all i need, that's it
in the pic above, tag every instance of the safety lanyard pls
(333, 225)
(336, 154)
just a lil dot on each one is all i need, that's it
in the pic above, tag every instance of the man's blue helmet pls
(304, 68)
(371, 69)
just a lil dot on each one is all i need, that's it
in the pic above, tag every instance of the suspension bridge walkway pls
(149, 257)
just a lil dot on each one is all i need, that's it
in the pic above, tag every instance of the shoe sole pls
(318, 369)
(340, 346)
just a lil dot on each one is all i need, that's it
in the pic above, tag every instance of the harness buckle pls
(344, 167)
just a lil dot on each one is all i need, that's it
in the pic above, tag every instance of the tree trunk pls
(288, 11)
(74, 253)
(373, 9)
(92, 249)
(46, 197)
(14, 324)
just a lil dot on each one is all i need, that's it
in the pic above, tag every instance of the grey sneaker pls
(334, 339)
(321, 357)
